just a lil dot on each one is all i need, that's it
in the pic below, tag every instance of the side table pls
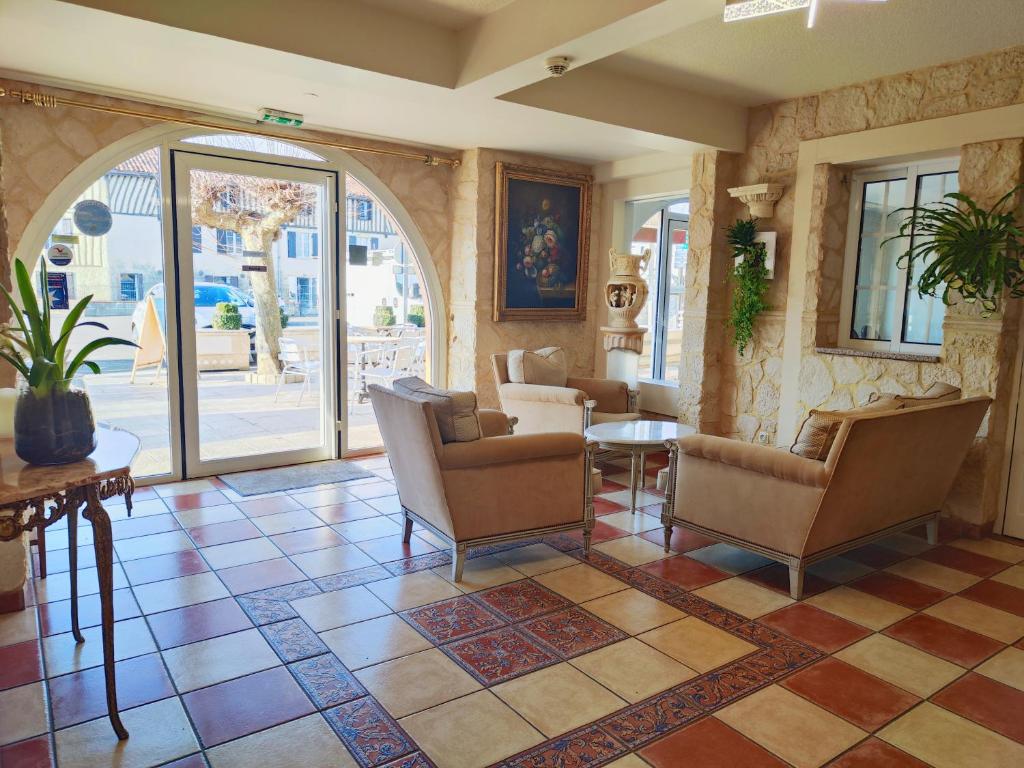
(49, 493)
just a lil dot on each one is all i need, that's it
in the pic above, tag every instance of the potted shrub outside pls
(417, 316)
(383, 316)
(53, 421)
(226, 317)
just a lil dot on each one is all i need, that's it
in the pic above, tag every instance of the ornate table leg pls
(632, 480)
(73, 569)
(41, 549)
(104, 548)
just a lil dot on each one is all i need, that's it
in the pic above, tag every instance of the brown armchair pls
(886, 472)
(499, 488)
(572, 408)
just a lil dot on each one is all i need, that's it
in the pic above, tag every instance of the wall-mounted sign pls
(60, 255)
(257, 261)
(93, 218)
(254, 267)
(57, 288)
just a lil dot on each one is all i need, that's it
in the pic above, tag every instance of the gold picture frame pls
(541, 244)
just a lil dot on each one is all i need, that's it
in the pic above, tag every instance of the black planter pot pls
(56, 428)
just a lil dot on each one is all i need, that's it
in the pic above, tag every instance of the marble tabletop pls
(637, 432)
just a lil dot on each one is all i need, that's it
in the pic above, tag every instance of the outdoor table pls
(364, 341)
(48, 494)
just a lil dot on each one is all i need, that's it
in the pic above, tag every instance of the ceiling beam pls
(346, 32)
(506, 50)
(607, 96)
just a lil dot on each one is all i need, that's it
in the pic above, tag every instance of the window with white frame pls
(881, 308)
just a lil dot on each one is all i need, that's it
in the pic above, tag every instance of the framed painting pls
(541, 244)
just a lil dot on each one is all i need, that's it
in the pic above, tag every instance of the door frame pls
(1012, 493)
(183, 160)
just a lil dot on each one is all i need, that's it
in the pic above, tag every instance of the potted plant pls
(417, 315)
(964, 249)
(53, 422)
(383, 316)
(226, 317)
(750, 280)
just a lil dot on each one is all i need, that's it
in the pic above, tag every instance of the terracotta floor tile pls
(945, 640)
(896, 589)
(744, 597)
(308, 741)
(839, 570)
(184, 486)
(235, 553)
(198, 665)
(632, 669)
(200, 518)
(601, 532)
(417, 682)
(20, 664)
(271, 505)
(572, 631)
(198, 622)
(1013, 576)
(521, 600)
(81, 696)
(374, 641)
(373, 490)
(1000, 550)
(962, 560)
(685, 572)
(997, 624)
(307, 540)
(997, 595)
(499, 655)
(187, 501)
(632, 522)
(697, 644)
(286, 522)
(335, 609)
(325, 562)
(989, 703)
(498, 731)
(24, 710)
(345, 512)
(815, 627)
(254, 576)
(632, 611)
(912, 670)
(933, 574)
(31, 753)
(557, 699)
(580, 583)
(224, 533)
(605, 507)
(370, 528)
(481, 573)
(791, 727)
(177, 593)
(851, 693)
(170, 566)
(874, 753)
(683, 539)
(143, 526)
(728, 558)
(1006, 667)
(875, 555)
(709, 743)
(633, 550)
(239, 707)
(63, 655)
(946, 740)
(160, 732)
(776, 578)
(860, 607)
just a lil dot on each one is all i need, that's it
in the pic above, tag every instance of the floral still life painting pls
(542, 236)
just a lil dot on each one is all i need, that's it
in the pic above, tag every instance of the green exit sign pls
(280, 117)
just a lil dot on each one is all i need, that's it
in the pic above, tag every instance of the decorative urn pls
(626, 292)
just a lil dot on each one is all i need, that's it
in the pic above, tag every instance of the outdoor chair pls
(295, 362)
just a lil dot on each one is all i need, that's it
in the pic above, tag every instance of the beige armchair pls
(886, 472)
(572, 408)
(499, 488)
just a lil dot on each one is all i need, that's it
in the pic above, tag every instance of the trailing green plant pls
(750, 280)
(29, 343)
(226, 317)
(964, 249)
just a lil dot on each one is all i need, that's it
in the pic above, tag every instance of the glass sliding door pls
(256, 247)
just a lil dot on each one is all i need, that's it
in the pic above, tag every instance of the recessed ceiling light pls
(738, 10)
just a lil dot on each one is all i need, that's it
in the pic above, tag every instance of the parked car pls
(206, 296)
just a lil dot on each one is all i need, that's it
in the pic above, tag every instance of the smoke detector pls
(557, 65)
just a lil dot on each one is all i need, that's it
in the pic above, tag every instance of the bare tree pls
(257, 209)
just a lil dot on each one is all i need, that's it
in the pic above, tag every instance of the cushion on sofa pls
(820, 428)
(545, 366)
(455, 412)
(939, 392)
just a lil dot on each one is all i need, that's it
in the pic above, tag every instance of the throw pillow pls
(939, 392)
(455, 412)
(544, 366)
(820, 428)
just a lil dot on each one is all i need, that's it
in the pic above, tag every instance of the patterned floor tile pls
(572, 632)
(293, 640)
(452, 619)
(521, 600)
(326, 681)
(352, 578)
(499, 655)
(266, 611)
(370, 734)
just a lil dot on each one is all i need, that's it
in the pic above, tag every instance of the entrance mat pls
(295, 476)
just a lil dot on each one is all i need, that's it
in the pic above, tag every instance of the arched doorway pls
(204, 395)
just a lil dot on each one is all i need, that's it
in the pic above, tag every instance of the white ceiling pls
(451, 14)
(776, 57)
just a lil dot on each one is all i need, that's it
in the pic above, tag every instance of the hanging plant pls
(750, 281)
(964, 249)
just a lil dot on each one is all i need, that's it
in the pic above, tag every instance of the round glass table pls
(637, 439)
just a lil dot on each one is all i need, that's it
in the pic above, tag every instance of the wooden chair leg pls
(932, 530)
(796, 581)
(458, 561)
(407, 531)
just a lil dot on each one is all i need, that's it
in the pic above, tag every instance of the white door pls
(255, 245)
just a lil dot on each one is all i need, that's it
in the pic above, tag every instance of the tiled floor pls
(297, 630)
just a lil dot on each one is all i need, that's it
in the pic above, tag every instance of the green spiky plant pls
(964, 249)
(750, 281)
(30, 346)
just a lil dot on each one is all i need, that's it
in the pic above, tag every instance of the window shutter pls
(291, 245)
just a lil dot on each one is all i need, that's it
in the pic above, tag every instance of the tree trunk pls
(264, 291)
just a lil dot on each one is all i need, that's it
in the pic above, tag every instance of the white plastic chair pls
(393, 364)
(295, 362)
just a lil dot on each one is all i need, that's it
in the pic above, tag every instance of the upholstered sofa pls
(500, 487)
(572, 408)
(887, 471)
